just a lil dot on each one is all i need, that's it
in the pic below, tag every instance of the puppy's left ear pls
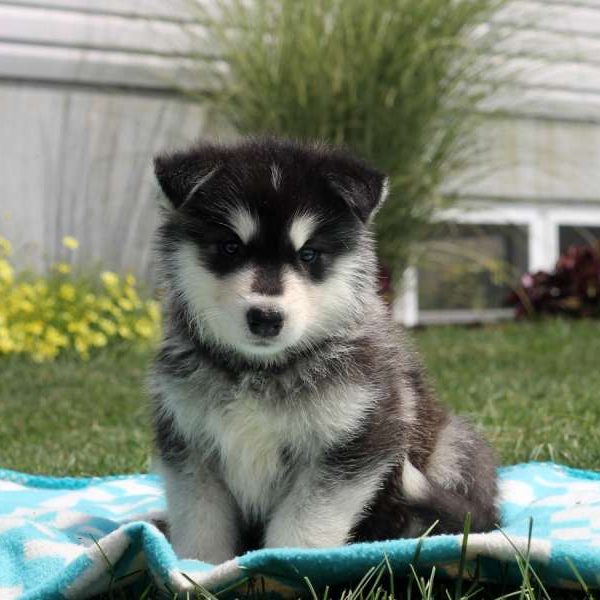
(182, 174)
(363, 188)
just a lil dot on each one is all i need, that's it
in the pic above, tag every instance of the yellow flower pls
(91, 316)
(44, 352)
(62, 268)
(70, 242)
(153, 308)
(5, 247)
(133, 297)
(130, 280)
(145, 328)
(6, 272)
(109, 279)
(6, 343)
(98, 339)
(125, 304)
(67, 292)
(40, 287)
(116, 312)
(81, 346)
(54, 337)
(35, 327)
(26, 306)
(105, 303)
(107, 326)
(28, 290)
(78, 327)
(125, 332)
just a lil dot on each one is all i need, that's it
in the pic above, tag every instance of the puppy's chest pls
(259, 450)
(263, 440)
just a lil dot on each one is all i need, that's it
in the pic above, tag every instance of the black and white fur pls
(288, 408)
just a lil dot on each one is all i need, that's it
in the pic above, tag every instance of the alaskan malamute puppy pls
(288, 408)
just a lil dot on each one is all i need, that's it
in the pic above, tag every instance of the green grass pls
(73, 417)
(535, 387)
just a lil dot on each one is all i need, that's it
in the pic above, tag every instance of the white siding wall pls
(131, 43)
(548, 148)
(86, 100)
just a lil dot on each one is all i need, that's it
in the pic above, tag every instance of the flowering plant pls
(572, 288)
(42, 317)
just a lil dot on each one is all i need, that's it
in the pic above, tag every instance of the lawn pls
(534, 387)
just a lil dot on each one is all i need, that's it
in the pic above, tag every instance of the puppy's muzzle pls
(266, 323)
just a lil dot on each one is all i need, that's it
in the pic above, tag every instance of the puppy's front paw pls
(307, 534)
(189, 546)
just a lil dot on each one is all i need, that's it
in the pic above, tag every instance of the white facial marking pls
(244, 224)
(276, 176)
(311, 309)
(302, 227)
(334, 300)
(219, 305)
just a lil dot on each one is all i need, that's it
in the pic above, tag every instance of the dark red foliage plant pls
(571, 289)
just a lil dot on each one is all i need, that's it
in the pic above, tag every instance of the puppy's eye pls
(308, 255)
(230, 248)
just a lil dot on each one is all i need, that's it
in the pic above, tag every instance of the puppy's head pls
(267, 241)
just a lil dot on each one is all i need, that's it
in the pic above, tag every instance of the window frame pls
(541, 220)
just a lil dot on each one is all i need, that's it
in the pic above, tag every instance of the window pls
(571, 235)
(480, 249)
(470, 267)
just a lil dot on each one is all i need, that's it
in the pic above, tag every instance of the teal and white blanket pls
(73, 538)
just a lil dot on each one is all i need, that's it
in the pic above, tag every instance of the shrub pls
(41, 317)
(572, 289)
(394, 80)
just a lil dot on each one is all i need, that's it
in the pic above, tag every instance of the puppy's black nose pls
(266, 323)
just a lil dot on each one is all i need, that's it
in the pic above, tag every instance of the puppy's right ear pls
(182, 174)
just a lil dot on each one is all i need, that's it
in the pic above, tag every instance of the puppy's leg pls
(320, 511)
(203, 517)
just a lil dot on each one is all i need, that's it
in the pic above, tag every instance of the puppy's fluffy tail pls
(432, 502)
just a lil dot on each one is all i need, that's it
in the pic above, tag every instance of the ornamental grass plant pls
(397, 81)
